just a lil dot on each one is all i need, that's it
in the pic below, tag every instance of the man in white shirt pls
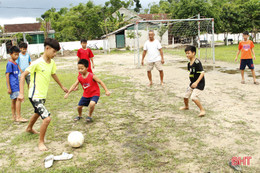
(153, 49)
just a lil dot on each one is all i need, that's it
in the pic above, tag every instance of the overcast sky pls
(9, 14)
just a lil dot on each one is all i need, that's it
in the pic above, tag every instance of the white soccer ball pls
(75, 139)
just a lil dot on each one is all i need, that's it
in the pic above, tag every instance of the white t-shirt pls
(152, 48)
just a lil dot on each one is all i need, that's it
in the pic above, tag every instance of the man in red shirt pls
(85, 53)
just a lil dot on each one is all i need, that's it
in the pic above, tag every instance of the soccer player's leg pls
(195, 98)
(242, 69)
(186, 99)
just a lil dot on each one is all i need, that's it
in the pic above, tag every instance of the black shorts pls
(39, 108)
(246, 62)
(84, 101)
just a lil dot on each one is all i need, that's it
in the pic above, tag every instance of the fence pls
(37, 49)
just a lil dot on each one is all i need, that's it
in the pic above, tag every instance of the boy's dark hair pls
(83, 40)
(190, 48)
(245, 33)
(14, 49)
(53, 43)
(23, 45)
(84, 62)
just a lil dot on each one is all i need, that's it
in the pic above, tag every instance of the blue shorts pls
(246, 62)
(14, 95)
(84, 101)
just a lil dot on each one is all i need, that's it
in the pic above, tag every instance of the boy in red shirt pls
(91, 89)
(247, 49)
(85, 53)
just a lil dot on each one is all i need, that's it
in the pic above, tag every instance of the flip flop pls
(243, 82)
(77, 118)
(64, 156)
(22, 120)
(48, 161)
(89, 119)
(256, 83)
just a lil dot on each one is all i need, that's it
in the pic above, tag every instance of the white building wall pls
(112, 41)
(144, 37)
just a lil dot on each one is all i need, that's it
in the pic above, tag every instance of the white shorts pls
(193, 94)
(157, 64)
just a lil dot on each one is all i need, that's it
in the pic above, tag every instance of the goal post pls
(176, 33)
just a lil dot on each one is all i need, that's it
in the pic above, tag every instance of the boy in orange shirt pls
(247, 49)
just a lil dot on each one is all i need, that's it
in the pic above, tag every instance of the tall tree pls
(251, 16)
(137, 6)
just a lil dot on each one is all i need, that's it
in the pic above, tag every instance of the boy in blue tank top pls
(24, 61)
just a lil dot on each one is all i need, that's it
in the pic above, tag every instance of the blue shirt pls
(23, 61)
(12, 68)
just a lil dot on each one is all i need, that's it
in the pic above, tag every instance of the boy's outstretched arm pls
(55, 77)
(71, 89)
(22, 79)
(9, 91)
(102, 84)
(238, 52)
(195, 84)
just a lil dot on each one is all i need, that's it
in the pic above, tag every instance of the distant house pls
(119, 39)
(128, 14)
(32, 29)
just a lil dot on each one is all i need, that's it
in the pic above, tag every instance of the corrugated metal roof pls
(26, 27)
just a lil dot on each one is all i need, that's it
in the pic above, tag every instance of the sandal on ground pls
(243, 82)
(89, 119)
(77, 118)
(48, 161)
(256, 83)
(64, 156)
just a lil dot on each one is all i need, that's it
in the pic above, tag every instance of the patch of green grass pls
(118, 51)
(222, 53)
(23, 138)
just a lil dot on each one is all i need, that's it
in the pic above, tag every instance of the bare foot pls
(14, 118)
(22, 120)
(32, 131)
(184, 108)
(243, 82)
(162, 83)
(42, 147)
(150, 84)
(202, 113)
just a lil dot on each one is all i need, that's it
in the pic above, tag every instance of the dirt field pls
(140, 129)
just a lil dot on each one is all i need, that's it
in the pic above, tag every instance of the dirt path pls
(233, 108)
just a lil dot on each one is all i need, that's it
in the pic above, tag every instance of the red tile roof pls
(153, 16)
(26, 27)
